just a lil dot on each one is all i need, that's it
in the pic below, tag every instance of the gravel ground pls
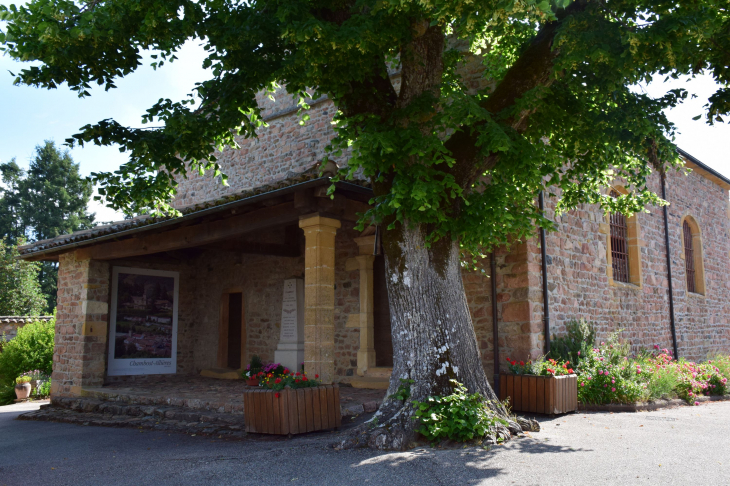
(687, 445)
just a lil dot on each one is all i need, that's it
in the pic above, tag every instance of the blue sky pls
(32, 115)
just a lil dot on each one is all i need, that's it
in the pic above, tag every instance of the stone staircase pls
(374, 378)
(92, 411)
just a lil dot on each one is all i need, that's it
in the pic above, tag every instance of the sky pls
(32, 115)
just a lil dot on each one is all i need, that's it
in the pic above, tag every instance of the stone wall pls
(9, 325)
(260, 278)
(579, 285)
(79, 355)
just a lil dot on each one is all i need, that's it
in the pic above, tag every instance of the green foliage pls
(403, 392)
(467, 162)
(459, 416)
(48, 200)
(31, 349)
(579, 339)
(45, 389)
(20, 290)
(540, 367)
(22, 379)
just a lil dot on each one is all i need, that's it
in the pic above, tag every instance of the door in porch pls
(383, 340)
(232, 332)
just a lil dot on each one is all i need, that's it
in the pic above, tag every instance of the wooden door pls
(232, 332)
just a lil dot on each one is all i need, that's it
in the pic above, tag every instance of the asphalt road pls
(688, 445)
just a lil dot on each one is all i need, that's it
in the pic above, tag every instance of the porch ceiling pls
(218, 224)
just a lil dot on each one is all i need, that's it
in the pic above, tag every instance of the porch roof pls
(49, 249)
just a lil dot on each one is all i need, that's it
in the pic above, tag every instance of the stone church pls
(203, 292)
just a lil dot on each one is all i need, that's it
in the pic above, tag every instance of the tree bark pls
(433, 338)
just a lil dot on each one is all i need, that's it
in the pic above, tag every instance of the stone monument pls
(290, 351)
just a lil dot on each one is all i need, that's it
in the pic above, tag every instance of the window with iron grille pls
(619, 245)
(689, 262)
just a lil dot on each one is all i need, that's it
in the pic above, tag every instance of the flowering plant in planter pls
(541, 367)
(291, 379)
(253, 367)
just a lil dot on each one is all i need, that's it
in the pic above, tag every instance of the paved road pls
(679, 446)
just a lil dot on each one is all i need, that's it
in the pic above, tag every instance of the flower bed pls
(609, 374)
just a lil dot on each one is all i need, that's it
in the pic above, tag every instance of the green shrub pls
(45, 389)
(663, 383)
(32, 349)
(458, 417)
(579, 339)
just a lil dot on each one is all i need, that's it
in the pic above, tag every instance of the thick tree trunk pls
(433, 337)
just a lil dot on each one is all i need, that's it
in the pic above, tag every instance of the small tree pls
(20, 289)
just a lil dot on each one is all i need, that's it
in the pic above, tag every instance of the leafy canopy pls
(497, 99)
(20, 289)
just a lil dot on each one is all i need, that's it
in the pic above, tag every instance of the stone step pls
(213, 403)
(379, 372)
(370, 382)
(88, 411)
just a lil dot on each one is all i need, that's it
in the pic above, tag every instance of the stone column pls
(319, 296)
(82, 316)
(366, 353)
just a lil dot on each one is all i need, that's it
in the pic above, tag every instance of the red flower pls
(278, 380)
(286, 370)
(522, 363)
(277, 395)
(507, 359)
(297, 373)
(296, 380)
(567, 362)
(304, 379)
(570, 370)
(316, 376)
(514, 363)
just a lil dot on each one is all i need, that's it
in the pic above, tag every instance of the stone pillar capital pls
(320, 222)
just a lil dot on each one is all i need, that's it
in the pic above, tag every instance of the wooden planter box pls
(540, 394)
(294, 412)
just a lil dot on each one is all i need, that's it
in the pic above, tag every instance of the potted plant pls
(545, 386)
(253, 368)
(291, 403)
(22, 387)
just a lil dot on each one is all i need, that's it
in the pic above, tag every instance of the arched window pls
(692, 254)
(619, 245)
(623, 245)
(689, 261)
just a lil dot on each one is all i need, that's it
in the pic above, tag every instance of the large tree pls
(48, 200)
(455, 167)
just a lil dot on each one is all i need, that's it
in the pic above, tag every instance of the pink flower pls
(613, 389)
(697, 403)
(582, 384)
(613, 381)
(578, 353)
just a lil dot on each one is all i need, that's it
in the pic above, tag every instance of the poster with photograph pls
(143, 331)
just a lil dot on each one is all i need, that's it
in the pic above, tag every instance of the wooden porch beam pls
(194, 235)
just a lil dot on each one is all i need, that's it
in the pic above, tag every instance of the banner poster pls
(143, 329)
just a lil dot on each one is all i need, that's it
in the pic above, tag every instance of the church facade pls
(203, 292)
